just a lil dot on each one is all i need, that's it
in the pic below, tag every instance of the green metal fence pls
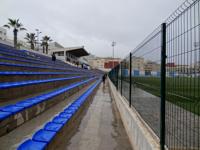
(160, 78)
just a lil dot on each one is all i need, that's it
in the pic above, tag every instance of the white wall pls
(3, 34)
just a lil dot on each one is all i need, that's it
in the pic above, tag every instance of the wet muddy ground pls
(101, 127)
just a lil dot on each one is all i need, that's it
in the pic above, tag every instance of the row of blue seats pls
(43, 67)
(24, 61)
(10, 49)
(40, 56)
(41, 62)
(44, 136)
(31, 60)
(20, 56)
(34, 61)
(6, 85)
(7, 73)
(26, 53)
(37, 60)
(7, 111)
(6, 46)
(39, 66)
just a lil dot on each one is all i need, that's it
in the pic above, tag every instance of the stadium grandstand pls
(31, 84)
(42, 102)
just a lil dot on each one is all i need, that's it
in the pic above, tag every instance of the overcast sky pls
(92, 23)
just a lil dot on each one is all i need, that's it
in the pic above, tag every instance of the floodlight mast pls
(113, 45)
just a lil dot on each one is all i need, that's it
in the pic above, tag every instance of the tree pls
(17, 26)
(45, 43)
(31, 38)
(43, 46)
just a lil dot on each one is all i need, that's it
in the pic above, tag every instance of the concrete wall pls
(140, 135)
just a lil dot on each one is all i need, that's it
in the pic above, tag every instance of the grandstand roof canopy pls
(76, 51)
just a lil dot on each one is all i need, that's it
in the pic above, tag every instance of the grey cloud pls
(93, 23)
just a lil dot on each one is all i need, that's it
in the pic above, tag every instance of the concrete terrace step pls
(28, 87)
(53, 132)
(12, 116)
(9, 76)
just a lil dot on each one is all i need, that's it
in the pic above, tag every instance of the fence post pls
(117, 71)
(121, 78)
(163, 86)
(130, 78)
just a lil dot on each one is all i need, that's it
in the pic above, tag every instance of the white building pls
(138, 63)
(54, 45)
(3, 34)
(104, 64)
(71, 54)
(3, 37)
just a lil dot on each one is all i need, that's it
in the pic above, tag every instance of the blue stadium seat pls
(73, 107)
(4, 115)
(65, 115)
(25, 104)
(43, 136)
(32, 145)
(60, 120)
(70, 111)
(51, 126)
(12, 109)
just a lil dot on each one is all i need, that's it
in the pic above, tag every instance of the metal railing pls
(160, 78)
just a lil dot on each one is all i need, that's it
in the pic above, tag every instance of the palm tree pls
(17, 26)
(43, 46)
(31, 38)
(45, 43)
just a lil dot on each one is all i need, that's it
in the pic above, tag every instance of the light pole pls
(113, 45)
(38, 33)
